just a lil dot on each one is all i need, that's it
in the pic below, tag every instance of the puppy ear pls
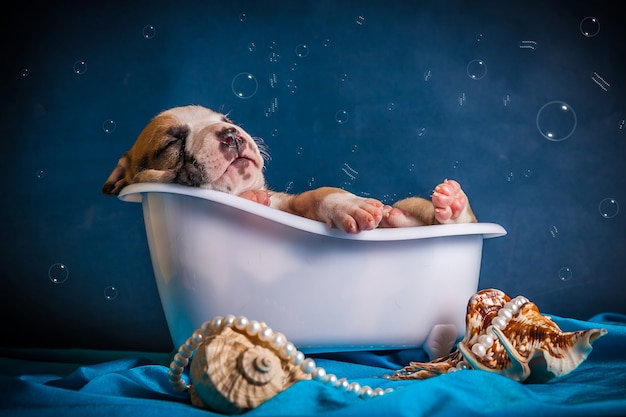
(117, 179)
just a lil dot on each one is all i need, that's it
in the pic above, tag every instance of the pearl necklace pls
(277, 341)
(486, 340)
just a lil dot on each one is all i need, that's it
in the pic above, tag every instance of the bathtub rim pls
(135, 193)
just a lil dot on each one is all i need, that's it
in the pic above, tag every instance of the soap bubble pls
(428, 75)
(341, 116)
(40, 174)
(360, 20)
(24, 72)
(274, 57)
(609, 207)
(244, 85)
(553, 231)
(326, 42)
(391, 106)
(109, 126)
(589, 26)
(148, 32)
(622, 124)
(58, 273)
(565, 273)
(302, 51)
(556, 121)
(476, 69)
(80, 67)
(110, 293)
(251, 46)
(479, 37)
(243, 17)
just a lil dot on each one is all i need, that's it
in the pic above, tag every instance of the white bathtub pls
(216, 254)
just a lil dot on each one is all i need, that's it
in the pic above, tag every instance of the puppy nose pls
(231, 138)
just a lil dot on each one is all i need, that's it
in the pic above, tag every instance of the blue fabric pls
(44, 383)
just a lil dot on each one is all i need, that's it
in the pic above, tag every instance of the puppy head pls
(193, 146)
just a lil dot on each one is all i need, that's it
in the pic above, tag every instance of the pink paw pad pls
(450, 202)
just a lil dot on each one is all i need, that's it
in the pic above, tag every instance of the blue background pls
(431, 90)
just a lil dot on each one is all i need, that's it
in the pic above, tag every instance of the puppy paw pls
(258, 196)
(397, 217)
(451, 204)
(353, 214)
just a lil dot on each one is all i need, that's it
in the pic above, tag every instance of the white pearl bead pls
(318, 374)
(278, 340)
(479, 350)
(253, 328)
(499, 322)
(462, 365)
(287, 351)
(241, 323)
(330, 379)
(228, 320)
(215, 324)
(342, 383)
(197, 337)
(505, 313)
(266, 334)
(366, 392)
(297, 358)
(489, 331)
(511, 305)
(353, 387)
(486, 340)
(307, 365)
(378, 391)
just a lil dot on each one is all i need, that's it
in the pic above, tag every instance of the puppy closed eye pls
(173, 142)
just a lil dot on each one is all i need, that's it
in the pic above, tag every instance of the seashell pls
(232, 372)
(512, 338)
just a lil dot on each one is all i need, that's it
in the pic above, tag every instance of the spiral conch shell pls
(510, 337)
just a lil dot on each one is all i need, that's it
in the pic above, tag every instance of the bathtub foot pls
(440, 340)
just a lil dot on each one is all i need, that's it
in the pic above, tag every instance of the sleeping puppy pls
(198, 147)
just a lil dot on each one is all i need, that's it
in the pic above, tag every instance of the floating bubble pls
(506, 100)
(428, 75)
(391, 106)
(326, 42)
(294, 66)
(148, 32)
(622, 124)
(556, 121)
(302, 51)
(299, 150)
(251, 46)
(311, 182)
(411, 167)
(343, 77)
(510, 176)
(243, 17)
(24, 72)
(421, 132)
(272, 45)
(589, 26)
(354, 148)
(109, 126)
(609, 207)
(58, 273)
(462, 99)
(565, 273)
(341, 116)
(40, 174)
(289, 186)
(528, 173)
(479, 37)
(350, 172)
(110, 293)
(80, 67)
(476, 69)
(360, 20)
(244, 85)
(456, 164)
(274, 132)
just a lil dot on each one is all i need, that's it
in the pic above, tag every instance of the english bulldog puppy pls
(198, 147)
